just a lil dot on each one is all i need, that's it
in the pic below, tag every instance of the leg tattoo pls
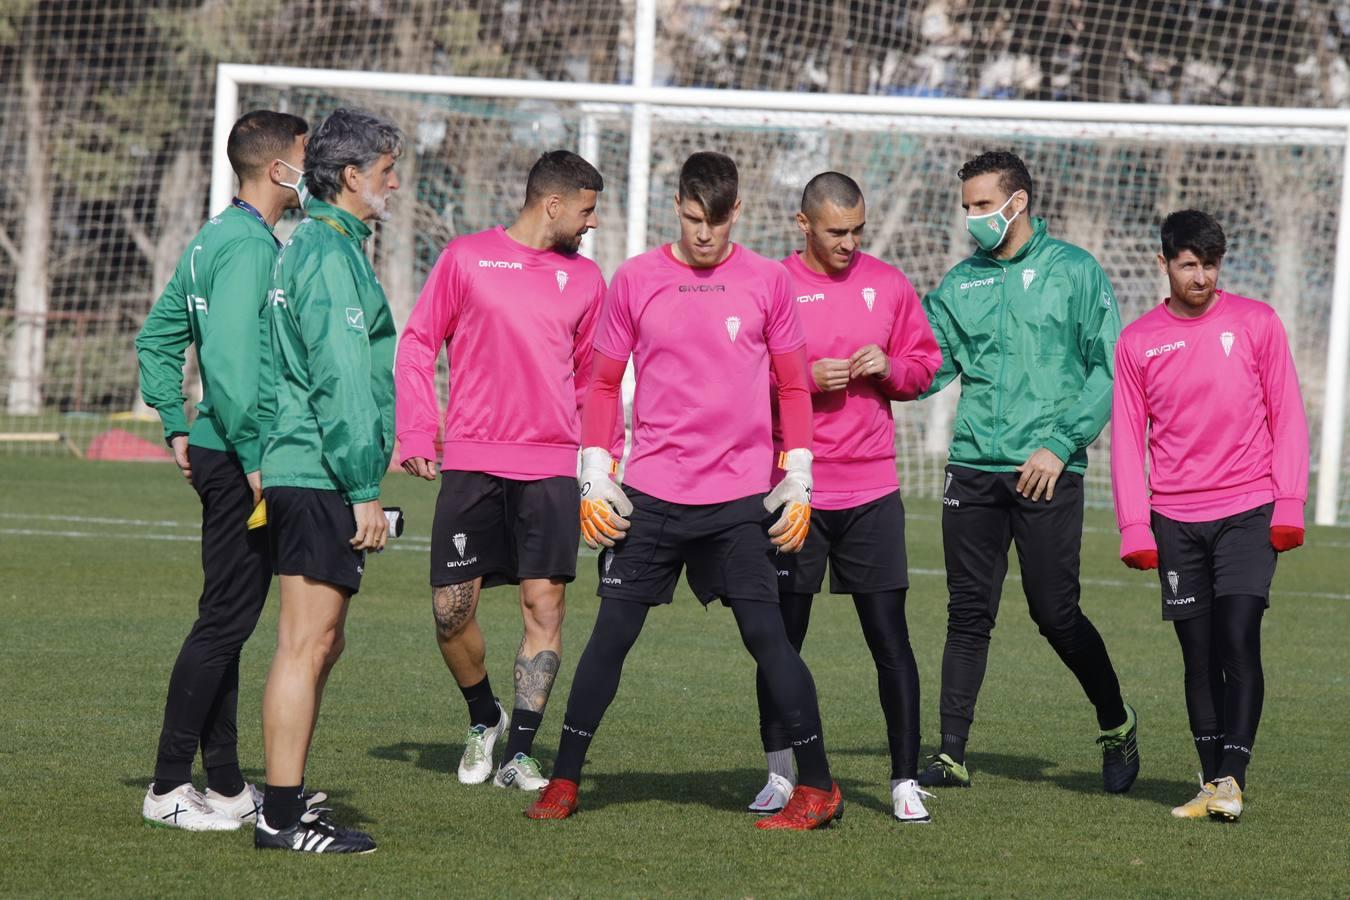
(452, 606)
(534, 678)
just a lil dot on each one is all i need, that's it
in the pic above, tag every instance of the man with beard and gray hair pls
(517, 308)
(326, 417)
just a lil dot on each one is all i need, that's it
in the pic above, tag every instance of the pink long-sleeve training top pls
(701, 341)
(870, 302)
(518, 323)
(1219, 400)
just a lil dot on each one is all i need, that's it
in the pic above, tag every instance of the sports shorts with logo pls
(310, 533)
(504, 530)
(1201, 561)
(724, 546)
(865, 547)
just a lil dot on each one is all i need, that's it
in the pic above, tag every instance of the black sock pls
(954, 746)
(482, 704)
(226, 780)
(813, 768)
(524, 726)
(169, 775)
(1236, 754)
(1209, 747)
(282, 806)
(572, 747)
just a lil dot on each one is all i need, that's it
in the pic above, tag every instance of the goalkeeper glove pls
(603, 504)
(1285, 537)
(793, 494)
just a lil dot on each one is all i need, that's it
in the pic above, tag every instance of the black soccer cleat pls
(312, 834)
(1120, 754)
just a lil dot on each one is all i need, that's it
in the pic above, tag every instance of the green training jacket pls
(326, 396)
(1033, 340)
(213, 301)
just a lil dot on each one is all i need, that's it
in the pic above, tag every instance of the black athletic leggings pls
(1225, 687)
(882, 616)
(617, 627)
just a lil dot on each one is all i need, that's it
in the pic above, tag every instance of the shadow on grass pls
(343, 811)
(438, 758)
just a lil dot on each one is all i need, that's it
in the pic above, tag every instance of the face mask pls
(298, 185)
(991, 229)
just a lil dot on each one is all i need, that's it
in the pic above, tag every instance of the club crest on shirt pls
(460, 541)
(1028, 276)
(869, 297)
(561, 276)
(733, 327)
(1227, 340)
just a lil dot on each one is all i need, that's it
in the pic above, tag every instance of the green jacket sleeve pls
(229, 345)
(266, 411)
(332, 323)
(937, 318)
(1079, 424)
(161, 348)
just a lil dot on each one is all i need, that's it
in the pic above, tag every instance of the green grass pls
(91, 620)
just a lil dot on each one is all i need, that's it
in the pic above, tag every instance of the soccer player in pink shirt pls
(1207, 377)
(705, 321)
(868, 343)
(516, 309)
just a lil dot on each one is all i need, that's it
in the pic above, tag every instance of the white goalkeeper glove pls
(603, 504)
(793, 494)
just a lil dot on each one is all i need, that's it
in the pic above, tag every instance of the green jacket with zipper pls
(326, 396)
(214, 301)
(1033, 340)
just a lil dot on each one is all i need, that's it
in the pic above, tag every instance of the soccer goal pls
(1277, 179)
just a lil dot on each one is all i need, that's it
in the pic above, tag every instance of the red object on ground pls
(123, 446)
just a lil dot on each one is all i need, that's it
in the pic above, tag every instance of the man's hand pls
(603, 503)
(870, 360)
(179, 443)
(255, 485)
(1039, 474)
(1143, 560)
(830, 374)
(420, 467)
(793, 494)
(372, 528)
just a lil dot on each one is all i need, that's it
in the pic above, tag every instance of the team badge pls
(1174, 581)
(1227, 340)
(869, 297)
(356, 318)
(461, 541)
(562, 279)
(947, 486)
(1028, 276)
(609, 560)
(733, 327)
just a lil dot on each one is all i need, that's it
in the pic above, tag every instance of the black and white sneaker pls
(312, 834)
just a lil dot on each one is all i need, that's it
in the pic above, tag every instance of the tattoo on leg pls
(452, 606)
(534, 679)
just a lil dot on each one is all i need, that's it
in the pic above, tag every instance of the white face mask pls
(298, 185)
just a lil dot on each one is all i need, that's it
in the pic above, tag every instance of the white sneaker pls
(908, 799)
(475, 766)
(246, 806)
(521, 772)
(184, 807)
(773, 797)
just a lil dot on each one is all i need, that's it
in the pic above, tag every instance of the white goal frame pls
(641, 102)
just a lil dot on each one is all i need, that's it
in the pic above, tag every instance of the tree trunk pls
(32, 283)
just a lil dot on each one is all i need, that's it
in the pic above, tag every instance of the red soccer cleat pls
(808, 808)
(557, 801)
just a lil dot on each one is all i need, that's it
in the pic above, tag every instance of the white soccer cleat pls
(246, 806)
(908, 799)
(521, 772)
(184, 807)
(773, 796)
(475, 766)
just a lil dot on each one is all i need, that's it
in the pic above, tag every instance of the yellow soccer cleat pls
(1197, 808)
(1226, 803)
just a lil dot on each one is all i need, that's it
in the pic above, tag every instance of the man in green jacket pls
(1029, 324)
(326, 404)
(214, 302)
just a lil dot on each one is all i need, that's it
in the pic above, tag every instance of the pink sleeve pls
(1129, 425)
(1288, 425)
(582, 356)
(616, 335)
(794, 398)
(598, 415)
(432, 321)
(782, 329)
(912, 349)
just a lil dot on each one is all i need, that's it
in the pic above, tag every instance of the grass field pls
(98, 582)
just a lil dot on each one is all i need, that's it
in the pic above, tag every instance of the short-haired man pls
(213, 302)
(868, 344)
(1208, 377)
(1029, 324)
(327, 407)
(516, 309)
(705, 321)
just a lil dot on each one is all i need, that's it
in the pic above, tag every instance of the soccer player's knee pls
(969, 621)
(1057, 622)
(453, 608)
(542, 611)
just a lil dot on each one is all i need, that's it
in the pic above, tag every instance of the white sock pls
(780, 763)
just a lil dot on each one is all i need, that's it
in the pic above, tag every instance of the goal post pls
(1278, 179)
